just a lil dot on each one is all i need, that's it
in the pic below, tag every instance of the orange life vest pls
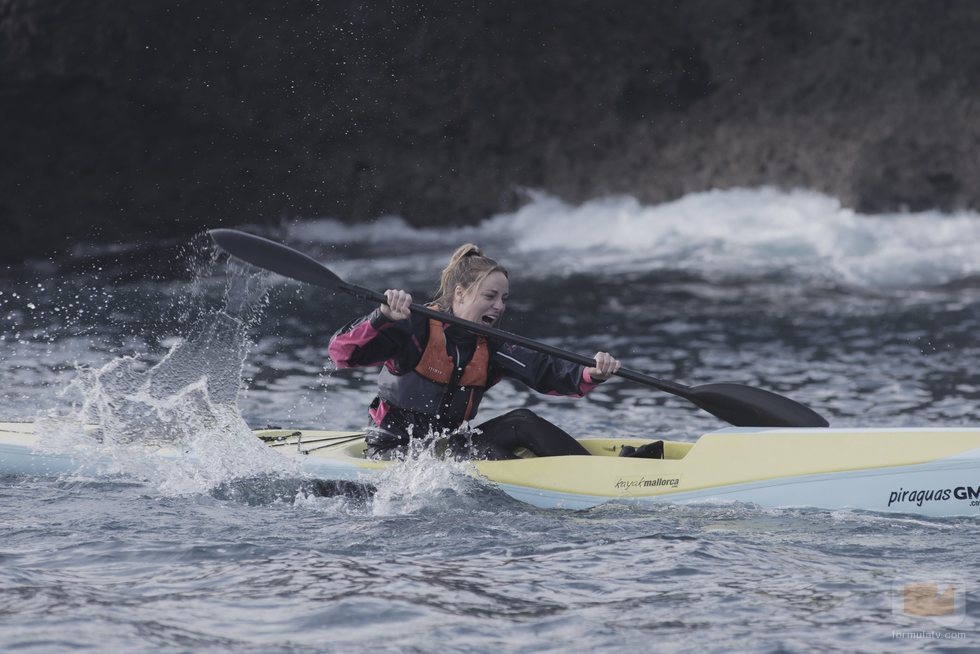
(436, 364)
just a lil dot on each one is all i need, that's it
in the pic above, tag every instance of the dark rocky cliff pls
(125, 120)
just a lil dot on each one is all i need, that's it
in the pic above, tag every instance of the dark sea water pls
(871, 320)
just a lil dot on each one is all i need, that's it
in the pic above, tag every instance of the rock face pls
(126, 120)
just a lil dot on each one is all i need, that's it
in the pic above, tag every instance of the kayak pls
(925, 471)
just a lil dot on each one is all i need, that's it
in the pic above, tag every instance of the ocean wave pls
(802, 235)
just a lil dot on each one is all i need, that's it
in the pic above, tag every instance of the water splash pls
(174, 424)
(420, 480)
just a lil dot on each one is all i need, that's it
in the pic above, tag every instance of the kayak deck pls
(927, 471)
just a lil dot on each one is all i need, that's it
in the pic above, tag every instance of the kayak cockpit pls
(612, 446)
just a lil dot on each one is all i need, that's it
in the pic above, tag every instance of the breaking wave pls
(803, 235)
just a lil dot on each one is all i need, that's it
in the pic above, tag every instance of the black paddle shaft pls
(737, 404)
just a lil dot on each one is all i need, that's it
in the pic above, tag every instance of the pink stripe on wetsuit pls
(378, 413)
(584, 386)
(343, 346)
(587, 383)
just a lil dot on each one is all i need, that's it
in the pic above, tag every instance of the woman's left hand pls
(605, 366)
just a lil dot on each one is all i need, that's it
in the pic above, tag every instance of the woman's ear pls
(459, 293)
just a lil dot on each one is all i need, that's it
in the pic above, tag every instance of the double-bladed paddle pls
(737, 404)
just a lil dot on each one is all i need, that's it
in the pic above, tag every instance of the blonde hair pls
(467, 268)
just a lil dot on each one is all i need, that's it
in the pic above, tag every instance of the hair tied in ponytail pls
(467, 266)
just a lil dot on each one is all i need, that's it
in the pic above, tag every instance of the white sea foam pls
(174, 424)
(802, 234)
(417, 482)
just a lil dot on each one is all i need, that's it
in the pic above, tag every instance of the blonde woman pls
(434, 374)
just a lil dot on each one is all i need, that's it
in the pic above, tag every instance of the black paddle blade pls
(746, 406)
(275, 257)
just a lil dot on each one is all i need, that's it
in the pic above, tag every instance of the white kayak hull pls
(922, 471)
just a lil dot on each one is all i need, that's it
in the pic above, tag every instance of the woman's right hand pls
(398, 305)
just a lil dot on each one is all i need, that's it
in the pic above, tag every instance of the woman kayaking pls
(434, 375)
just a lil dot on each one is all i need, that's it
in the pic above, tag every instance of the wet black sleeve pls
(541, 372)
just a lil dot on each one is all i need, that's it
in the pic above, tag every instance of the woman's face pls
(484, 303)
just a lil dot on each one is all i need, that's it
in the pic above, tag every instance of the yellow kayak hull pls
(926, 471)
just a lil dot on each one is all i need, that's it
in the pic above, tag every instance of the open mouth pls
(488, 320)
